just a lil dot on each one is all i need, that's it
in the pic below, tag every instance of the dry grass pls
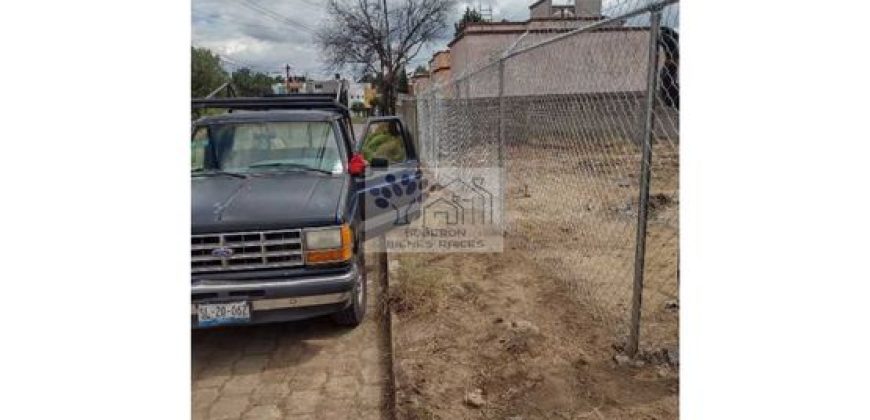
(567, 271)
(575, 210)
(418, 290)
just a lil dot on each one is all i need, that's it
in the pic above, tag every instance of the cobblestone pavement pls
(301, 370)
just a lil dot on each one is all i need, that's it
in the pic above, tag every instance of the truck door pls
(391, 192)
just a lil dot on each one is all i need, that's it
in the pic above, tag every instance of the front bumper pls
(280, 299)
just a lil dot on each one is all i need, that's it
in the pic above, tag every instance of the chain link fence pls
(567, 114)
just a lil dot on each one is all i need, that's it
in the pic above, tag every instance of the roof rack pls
(321, 101)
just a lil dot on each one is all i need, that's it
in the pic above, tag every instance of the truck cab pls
(283, 200)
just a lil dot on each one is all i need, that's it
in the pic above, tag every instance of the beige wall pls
(419, 84)
(484, 43)
(440, 60)
(543, 9)
(440, 70)
(587, 7)
(600, 61)
(605, 61)
(473, 51)
(441, 76)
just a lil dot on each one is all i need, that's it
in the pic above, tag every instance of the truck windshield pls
(266, 147)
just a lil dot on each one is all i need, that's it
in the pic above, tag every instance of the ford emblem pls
(222, 252)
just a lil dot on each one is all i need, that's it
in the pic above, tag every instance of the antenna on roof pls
(485, 11)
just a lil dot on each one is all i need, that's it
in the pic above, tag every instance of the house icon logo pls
(461, 203)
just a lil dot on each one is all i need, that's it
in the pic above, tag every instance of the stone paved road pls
(301, 370)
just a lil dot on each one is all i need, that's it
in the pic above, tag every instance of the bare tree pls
(377, 36)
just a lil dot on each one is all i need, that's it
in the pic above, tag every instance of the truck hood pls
(266, 202)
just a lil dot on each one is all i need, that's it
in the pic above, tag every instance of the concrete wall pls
(586, 118)
(449, 129)
(595, 62)
(421, 85)
(481, 44)
(587, 8)
(406, 108)
(541, 9)
(440, 70)
(441, 76)
(473, 51)
(607, 60)
(440, 60)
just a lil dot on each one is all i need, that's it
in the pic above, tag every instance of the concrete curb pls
(388, 267)
(391, 327)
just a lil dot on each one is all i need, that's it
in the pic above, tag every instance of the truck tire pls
(353, 315)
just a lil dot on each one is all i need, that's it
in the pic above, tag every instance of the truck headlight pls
(328, 245)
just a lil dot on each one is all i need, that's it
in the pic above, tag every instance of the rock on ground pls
(474, 398)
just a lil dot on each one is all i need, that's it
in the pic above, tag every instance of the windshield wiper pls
(289, 166)
(218, 172)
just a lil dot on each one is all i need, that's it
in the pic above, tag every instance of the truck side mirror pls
(357, 165)
(380, 163)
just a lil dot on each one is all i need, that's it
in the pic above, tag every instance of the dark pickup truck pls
(283, 199)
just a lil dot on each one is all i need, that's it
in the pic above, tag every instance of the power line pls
(276, 66)
(315, 5)
(231, 60)
(250, 4)
(243, 65)
(278, 29)
(236, 64)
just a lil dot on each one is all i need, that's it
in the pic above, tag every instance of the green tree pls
(373, 78)
(368, 36)
(470, 16)
(403, 81)
(248, 83)
(421, 69)
(206, 73)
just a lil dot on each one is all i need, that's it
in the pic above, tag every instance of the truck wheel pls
(353, 314)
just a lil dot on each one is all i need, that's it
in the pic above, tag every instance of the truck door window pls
(384, 140)
(197, 149)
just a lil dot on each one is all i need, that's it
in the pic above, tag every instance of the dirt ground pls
(310, 369)
(533, 332)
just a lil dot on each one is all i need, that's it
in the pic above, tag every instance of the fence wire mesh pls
(562, 111)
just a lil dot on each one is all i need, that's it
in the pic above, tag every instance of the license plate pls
(211, 314)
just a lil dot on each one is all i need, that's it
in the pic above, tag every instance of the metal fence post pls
(643, 202)
(436, 137)
(501, 129)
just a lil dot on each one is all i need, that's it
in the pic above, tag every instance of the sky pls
(266, 35)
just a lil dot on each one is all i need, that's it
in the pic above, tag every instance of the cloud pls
(259, 33)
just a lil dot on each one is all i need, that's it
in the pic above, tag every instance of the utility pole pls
(388, 70)
(485, 11)
(387, 24)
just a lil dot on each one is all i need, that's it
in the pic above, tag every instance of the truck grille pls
(246, 251)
